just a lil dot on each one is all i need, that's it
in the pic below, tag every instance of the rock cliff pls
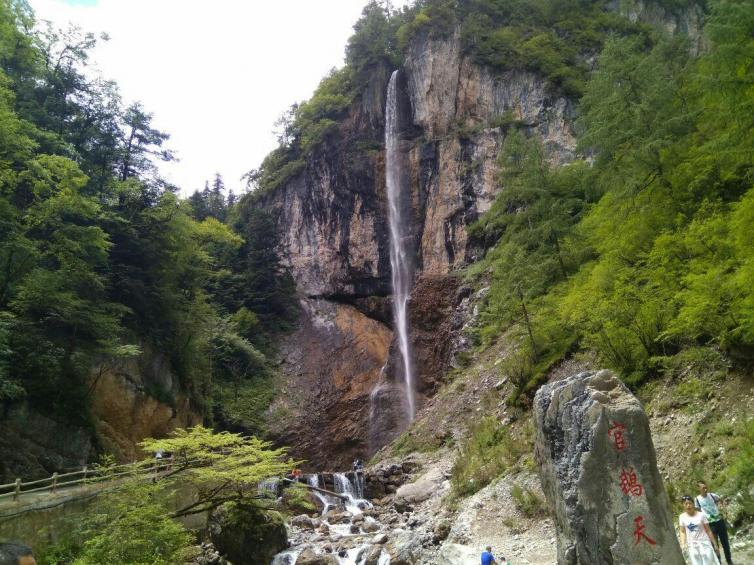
(333, 235)
(134, 399)
(129, 400)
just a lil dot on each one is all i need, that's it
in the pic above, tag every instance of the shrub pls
(489, 451)
(527, 501)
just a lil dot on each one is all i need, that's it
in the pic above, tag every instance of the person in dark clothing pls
(16, 554)
(487, 557)
(712, 506)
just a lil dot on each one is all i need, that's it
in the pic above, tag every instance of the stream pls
(345, 533)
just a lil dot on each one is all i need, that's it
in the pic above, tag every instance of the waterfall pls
(399, 214)
(360, 483)
(342, 484)
(313, 481)
(358, 544)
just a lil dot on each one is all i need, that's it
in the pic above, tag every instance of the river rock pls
(373, 555)
(308, 557)
(404, 548)
(379, 539)
(370, 527)
(599, 472)
(303, 521)
(336, 517)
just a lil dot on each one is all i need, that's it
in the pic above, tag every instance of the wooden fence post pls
(54, 481)
(17, 489)
(84, 471)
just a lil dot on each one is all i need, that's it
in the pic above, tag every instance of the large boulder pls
(457, 554)
(247, 535)
(599, 473)
(415, 493)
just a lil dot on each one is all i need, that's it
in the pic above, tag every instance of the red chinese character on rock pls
(615, 433)
(639, 532)
(629, 484)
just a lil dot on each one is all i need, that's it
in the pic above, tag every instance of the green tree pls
(131, 526)
(140, 143)
(233, 466)
(269, 290)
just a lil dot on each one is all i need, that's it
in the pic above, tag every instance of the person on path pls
(712, 506)
(696, 536)
(487, 557)
(16, 554)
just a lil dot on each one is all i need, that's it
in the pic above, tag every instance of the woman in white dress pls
(696, 537)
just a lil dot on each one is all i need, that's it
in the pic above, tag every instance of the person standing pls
(712, 505)
(696, 536)
(487, 557)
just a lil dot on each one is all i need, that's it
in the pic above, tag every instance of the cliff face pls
(333, 235)
(455, 103)
(124, 409)
(122, 412)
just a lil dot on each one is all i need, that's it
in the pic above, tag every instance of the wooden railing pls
(87, 476)
(101, 475)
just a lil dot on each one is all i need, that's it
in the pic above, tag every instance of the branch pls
(204, 500)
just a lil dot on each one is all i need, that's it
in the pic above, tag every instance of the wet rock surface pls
(599, 472)
(347, 531)
(332, 363)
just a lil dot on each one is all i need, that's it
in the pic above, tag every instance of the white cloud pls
(216, 74)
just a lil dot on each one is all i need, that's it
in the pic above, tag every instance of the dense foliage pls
(556, 39)
(646, 249)
(134, 523)
(99, 257)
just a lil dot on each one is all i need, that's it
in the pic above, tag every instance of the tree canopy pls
(644, 250)
(99, 256)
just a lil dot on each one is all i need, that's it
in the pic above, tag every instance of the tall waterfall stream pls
(401, 257)
(343, 524)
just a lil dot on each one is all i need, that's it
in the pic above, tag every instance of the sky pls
(216, 75)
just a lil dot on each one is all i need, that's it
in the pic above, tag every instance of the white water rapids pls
(353, 505)
(400, 238)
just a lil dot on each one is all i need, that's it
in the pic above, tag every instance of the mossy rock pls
(247, 535)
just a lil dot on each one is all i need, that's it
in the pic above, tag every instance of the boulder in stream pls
(599, 472)
(308, 557)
